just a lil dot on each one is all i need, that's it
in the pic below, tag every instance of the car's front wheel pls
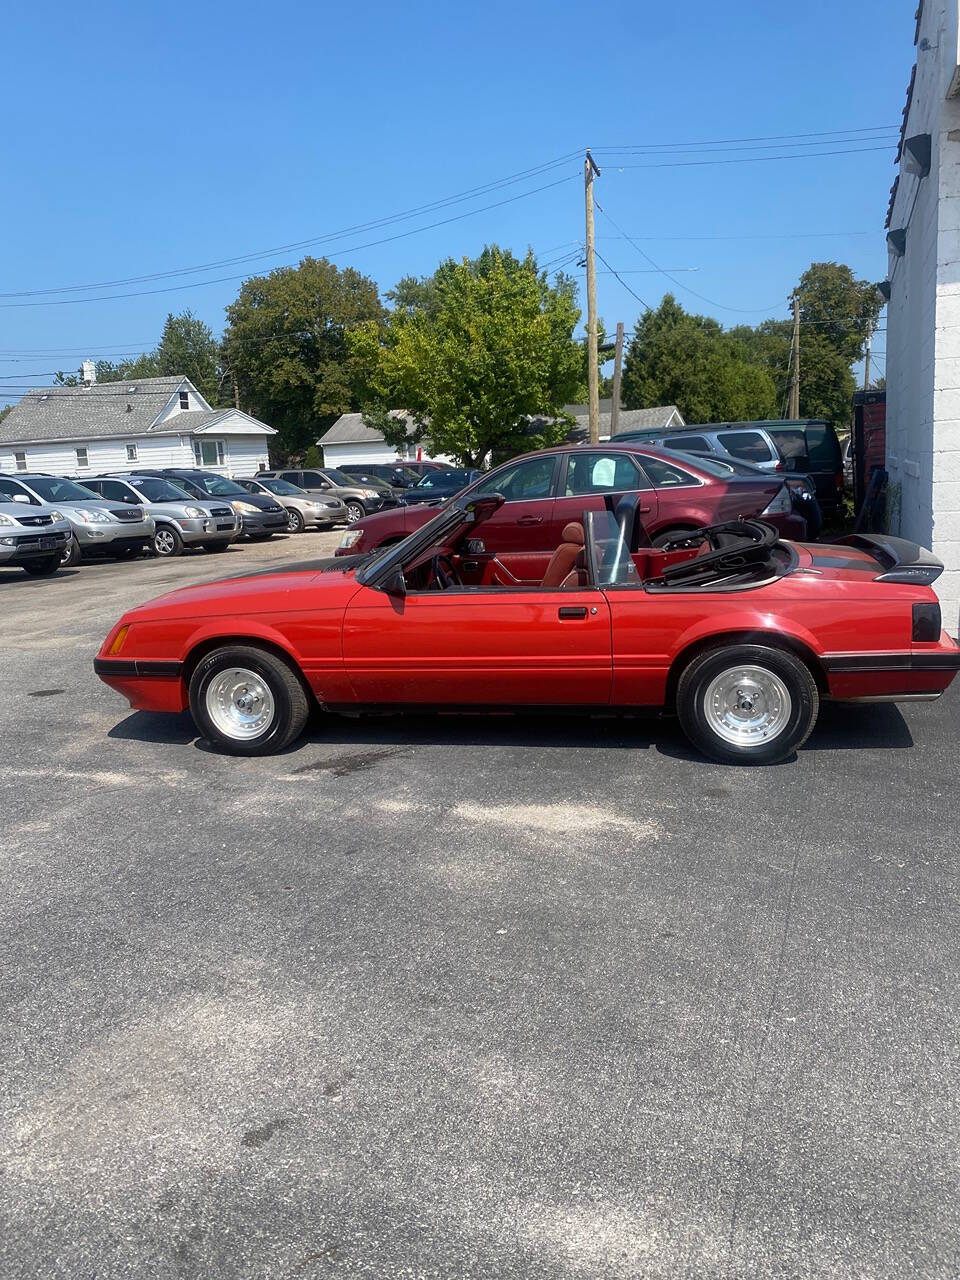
(70, 554)
(747, 703)
(295, 522)
(247, 701)
(167, 541)
(355, 512)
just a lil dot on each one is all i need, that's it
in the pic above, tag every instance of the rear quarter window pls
(748, 445)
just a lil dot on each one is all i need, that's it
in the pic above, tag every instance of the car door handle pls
(530, 520)
(572, 611)
(643, 509)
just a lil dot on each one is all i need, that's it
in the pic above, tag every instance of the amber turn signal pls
(118, 639)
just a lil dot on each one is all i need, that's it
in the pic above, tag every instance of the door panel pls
(479, 647)
(595, 480)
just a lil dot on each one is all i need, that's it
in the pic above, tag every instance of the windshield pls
(217, 487)
(340, 477)
(281, 486)
(53, 489)
(152, 490)
(608, 555)
(443, 479)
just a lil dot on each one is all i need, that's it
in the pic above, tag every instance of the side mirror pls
(396, 584)
(21, 497)
(475, 547)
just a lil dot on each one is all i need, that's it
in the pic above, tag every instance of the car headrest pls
(573, 532)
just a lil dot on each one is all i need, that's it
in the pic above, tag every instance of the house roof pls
(660, 416)
(350, 428)
(90, 413)
(108, 410)
(194, 421)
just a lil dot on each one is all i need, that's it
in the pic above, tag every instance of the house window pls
(82, 458)
(131, 453)
(208, 453)
(21, 460)
(184, 400)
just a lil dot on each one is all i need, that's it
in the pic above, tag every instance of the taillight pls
(926, 622)
(838, 479)
(779, 467)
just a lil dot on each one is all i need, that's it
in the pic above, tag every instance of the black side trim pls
(130, 667)
(895, 662)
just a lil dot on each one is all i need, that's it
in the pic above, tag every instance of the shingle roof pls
(350, 428)
(89, 413)
(660, 416)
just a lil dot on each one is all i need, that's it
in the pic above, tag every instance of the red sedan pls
(545, 491)
(739, 633)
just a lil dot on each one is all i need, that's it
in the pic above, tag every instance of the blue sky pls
(145, 138)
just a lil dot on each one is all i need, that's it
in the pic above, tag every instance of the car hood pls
(318, 584)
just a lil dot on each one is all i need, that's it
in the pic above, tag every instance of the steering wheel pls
(444, 572)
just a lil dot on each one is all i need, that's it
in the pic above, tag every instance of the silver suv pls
(32, 538)
(116, 529)
(739, 444)
(181, 521)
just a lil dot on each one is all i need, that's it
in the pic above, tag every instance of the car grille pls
(126, 513)
(34, 521)
(31, 539)
(221, 511)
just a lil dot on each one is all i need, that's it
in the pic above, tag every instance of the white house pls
(923, 312)
(662, 417)
(146, 422)
(351, 440)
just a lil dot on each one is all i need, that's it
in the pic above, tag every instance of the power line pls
(401, 235)
(622, 281)
(769, 137)
(686, 164)
(760, 235)
(458, 198)
(798, 148)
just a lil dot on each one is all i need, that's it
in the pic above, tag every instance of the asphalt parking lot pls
(456, 997)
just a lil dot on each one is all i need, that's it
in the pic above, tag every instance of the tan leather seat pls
(564, 559)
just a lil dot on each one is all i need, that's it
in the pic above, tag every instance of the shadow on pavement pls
(853, 727)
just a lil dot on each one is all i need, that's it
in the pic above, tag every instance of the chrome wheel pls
(747, 705)
(164, 542)
(240, 703)
(294, 521)
(354, 512)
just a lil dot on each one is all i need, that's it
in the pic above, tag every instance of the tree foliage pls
(688, 360)
(717, 375)
(481, 355)
(187, 347)
(286, 343)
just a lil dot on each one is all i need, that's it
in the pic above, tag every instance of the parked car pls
(301, 509)
(437, 486)
(421, 466)
(360, 499)
(260, 516)
(32, 538)
(545, 490)
(179, 519)
(737, 444)
(395, 475)
(98, 526)
(738, 633)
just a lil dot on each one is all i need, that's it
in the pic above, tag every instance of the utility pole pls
(617, 370)
(590, 171)
(794, 409)
(866, 361)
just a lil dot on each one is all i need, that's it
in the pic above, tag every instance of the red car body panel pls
(612, 646)
(536, 524)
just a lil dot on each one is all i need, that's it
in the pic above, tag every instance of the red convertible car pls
(738, 632)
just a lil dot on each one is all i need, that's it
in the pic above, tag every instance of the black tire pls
(167, 542)
(355, 512)
(215, 546)
(259, 537)
(291, 703)
(70, 555)
(126, 553)
(44, 568)
(702, 724)
(295, 521)
(670, 535)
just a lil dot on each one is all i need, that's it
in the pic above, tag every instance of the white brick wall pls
(923, 318)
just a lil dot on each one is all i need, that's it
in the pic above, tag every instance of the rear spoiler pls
(901, 561)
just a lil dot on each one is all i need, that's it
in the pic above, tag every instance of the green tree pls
(187, 347)
(688, 360)
(286, 343)
(142, 366)
(4, 410)
(475, 354)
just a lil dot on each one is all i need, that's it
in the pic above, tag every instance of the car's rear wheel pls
(247, 701)
(167, 541)
(295, 521)
(355, 512)
(44, 568)
(70, 554)
(747, 703)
